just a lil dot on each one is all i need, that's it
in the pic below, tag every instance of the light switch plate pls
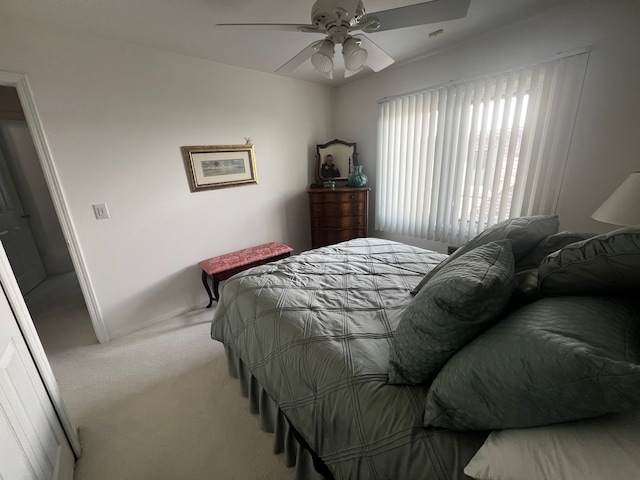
(100, 211)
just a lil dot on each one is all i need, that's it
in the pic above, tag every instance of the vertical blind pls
(454, 160)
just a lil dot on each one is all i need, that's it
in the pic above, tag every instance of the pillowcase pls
(462, 300)
(524, 233)
(605, 447)
(604, 264)
(547, 246)
(554, 360)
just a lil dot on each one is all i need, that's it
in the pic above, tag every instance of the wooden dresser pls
(338, 214)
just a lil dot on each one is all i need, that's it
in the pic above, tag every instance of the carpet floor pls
(153, 405)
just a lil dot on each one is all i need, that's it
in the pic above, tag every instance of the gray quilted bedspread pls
(315, 330)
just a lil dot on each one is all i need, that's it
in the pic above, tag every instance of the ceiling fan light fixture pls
(337, 19)
(354, 55)
(322, 60)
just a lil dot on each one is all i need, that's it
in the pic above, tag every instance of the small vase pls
(357, 178)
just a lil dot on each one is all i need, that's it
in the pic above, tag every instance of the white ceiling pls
(188, 27)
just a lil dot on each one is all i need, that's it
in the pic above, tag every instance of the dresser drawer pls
(337, 209)
(338, 197)
(353, 221)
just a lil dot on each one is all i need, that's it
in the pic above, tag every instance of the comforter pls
(315, 329)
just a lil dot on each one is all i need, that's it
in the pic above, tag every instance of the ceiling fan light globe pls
(355, 60)
(354, 55)
(322, 60)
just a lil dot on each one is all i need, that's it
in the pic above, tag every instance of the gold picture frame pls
(219, 166)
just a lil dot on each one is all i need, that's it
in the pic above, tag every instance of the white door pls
(16, 236)
(33, 444)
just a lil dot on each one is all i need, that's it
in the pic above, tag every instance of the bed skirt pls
(286, 440)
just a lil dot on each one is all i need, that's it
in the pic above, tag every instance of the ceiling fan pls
(338, 19)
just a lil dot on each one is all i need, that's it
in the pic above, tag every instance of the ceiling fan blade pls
(377, 59)
(412, 15)
(278, 27)
(299, 58)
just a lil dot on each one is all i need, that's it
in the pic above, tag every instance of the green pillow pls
(604, 264)
(462, 299)
(554, 360)
(549, 245)
(524, 233)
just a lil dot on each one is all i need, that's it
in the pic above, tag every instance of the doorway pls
(51, 191)
(29, 229)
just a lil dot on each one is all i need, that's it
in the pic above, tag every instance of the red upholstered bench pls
(224, 266)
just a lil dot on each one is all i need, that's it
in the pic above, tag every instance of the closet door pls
(33, 444)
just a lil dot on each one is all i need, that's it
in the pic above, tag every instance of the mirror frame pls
(331, 148)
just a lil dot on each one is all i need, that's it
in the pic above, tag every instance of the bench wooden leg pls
(216, 282)
(205, 282)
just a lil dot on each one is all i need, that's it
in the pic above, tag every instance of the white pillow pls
(595, 449)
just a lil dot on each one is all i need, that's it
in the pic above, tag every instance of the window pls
(453, 160)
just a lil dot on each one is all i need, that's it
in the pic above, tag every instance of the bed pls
(310, 338)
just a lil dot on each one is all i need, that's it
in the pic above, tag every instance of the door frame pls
(19, 81)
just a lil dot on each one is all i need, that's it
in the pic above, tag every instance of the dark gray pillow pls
(526, 290)
(460, 301)
(555, 360)
(604, 264)
(549, 245)
(524, 233)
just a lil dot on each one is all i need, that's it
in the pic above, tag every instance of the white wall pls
(606, 141)
(115, 116)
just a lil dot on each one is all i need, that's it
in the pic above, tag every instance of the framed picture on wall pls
(219, 166)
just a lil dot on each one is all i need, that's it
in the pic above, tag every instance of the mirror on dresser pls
(335, 160)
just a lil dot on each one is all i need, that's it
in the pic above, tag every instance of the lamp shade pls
(623, 206)
(322, 60)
